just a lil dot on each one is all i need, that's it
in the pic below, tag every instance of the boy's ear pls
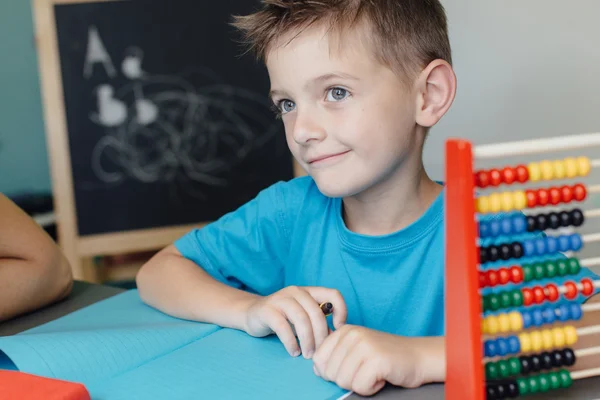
(435, 90)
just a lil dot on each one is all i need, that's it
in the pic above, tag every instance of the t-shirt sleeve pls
(246, 248)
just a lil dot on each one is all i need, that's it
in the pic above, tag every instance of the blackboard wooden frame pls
(78, 249)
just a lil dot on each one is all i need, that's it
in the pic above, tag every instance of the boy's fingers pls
(280, 325)
(323, 353)
(345, 345)
(318, 320)
(298, 316)
(325, 295)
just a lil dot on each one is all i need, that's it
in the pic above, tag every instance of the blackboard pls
(168, 122)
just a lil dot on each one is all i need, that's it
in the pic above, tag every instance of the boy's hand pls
(362, 360)
(297, 306)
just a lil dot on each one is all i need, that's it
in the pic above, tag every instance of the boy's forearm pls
(432, 358)
(179, 287)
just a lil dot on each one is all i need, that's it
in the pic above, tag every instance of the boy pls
(33, 271)
(357, 84)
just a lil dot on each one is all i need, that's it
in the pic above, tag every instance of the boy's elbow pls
(58, 271)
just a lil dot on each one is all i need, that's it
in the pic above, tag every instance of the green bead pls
(517, 298)
(562, 267)
(505, 299)
(551, 269)
(574, 266)
(503, 368)
(494, 302)
(485, 303)
(538, 271)
(544, 383)
(565, 378)
(491, 370)
(554, 380)
(527, 272)
(514, 365)
(534, 384)
(523, 386)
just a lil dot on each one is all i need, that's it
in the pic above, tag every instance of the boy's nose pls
(307, 128)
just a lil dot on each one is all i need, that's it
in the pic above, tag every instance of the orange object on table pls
(16, 385)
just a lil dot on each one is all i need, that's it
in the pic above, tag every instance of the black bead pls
(483, 255)
(493, 253)
(505, 252)
(565, 218)
(546, 360)
(536, 363)
(501, 391)
(491, 393)
(525, 364)
(512, 389)
(541, 222)
(517, 250)
(553, 220)
(577, 217)
(557, 358)
(530, 223)
(568, 357)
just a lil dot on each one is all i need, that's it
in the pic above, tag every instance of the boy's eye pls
(337, 94)
(285, 106)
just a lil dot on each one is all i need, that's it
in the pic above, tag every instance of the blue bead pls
(484, 229)
(506, 226)
(528, 248)
(548, 315)
(576, 242)
(551, 245)
(490, 348)
(576, 312)
(502, 349)
(564, 243)
(514, 346)
(538, 320)
(494, 228)
(540, 246)
(519, 223)
(526, 319)
(564, 313)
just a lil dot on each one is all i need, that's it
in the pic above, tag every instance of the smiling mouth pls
(328, 158)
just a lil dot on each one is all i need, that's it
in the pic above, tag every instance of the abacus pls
(498, 304)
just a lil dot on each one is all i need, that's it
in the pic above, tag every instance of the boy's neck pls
(391, 205)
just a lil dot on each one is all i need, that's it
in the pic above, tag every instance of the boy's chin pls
(335, 188)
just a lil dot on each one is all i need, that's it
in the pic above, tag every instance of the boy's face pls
(349, 121)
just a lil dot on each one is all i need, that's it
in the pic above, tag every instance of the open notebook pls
(122, 349)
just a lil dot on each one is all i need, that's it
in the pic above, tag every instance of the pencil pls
(327, 308)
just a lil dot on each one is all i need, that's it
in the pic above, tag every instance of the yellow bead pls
(506, 199)
(571, 168)
(547, 339)
(546, 170)
(492, 325)
(537, 342)
(516, 321)
(583, 166)
(495, 202)
(525, 340)
(570, 335)
(520, 200)
(483, 204)
(504, 323)
(559, 169)
(559, 336)
(535, 173)
(484, 326)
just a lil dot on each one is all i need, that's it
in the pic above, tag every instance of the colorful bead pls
(495, 202)
(563, 313)
(516, 321)
(482, 204)
(527, 296)
(503, 323)
(503, 276)
(570, 167)
(522, 173)
(543, 197)
(588, 287)
(550, 268)
(525, 340)
(537, 342)
(517, 298)
(566, 194)
(503, 369)
(491, 277)
(491, 370)
(519, 200)
(551, 292)
(505, 299)
(527, 319)
(535, 173)
(558, 167)
(508, 175)
(583, 166)
(568, 356)
(546, 170)
(570, 335)
(553, 220)
(537, 317)
(577, 217)
(482, 280)
(576, 242)
(562, 268)
(555, 196)
(506, 201)
(523, 384)
(539, 271)
(482, 179)
(544, 383)
(492, 325)
(514, 346)
(538, 295)
(528, 272)
(558, 336)
(547, 339)
(565, 378)
(516, 274)
(532, 198)
(571, 290)
(495, 177)
(548, 315)
(575, 311)
(579, 192)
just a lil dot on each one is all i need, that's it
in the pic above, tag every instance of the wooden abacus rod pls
(590, 262)
(592, 213)
(595, 163)
(536, 146)
(587, 352)
(586, 373)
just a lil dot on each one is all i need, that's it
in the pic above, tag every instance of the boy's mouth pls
(326, 157)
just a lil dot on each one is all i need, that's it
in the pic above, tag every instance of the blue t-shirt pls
(291, 234)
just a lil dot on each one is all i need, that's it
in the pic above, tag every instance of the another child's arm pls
(33, 270)
(179, 287)
(363, 360)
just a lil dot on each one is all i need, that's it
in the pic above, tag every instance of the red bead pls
(492, 277)
(571, 290)
(508, 175)
(482, 280)
(555, 196)
(551, 292)
(579, 192)
(543, 197)
(503, 276)
(516, 274)
(538, 295)
(588, 287)
(527, 296)
(532, 198)
(495, 177)
(482, 179)
(522, 173)
(566, 194)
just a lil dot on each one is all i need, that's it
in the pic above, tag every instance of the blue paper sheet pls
(122, 349)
